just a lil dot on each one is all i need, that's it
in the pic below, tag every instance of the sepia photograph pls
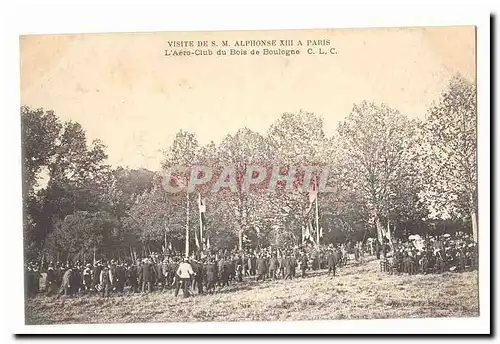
(242, 176)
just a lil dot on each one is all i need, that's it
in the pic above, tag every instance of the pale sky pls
(124, 91)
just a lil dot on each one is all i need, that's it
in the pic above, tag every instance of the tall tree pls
(182, 153)
(299, 142)
(379, 161)
(450, 147)
(77, 178)
(244, 208)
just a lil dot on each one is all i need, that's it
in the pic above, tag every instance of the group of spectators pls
(215, 270)
(174, 272)
(432, 254)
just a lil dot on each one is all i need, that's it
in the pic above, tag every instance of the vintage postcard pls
(240, 176)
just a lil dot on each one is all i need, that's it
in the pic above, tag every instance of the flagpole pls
(187, 224)
(201, 223)
(317, 215)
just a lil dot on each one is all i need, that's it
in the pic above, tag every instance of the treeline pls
(388, 171)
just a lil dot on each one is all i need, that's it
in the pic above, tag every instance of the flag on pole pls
(313, 191)
(202, 209)
(208, 243)
(313, 194)
(197, 242)
(321, 232)
(310, 231)
(201, 204)
(381, 232)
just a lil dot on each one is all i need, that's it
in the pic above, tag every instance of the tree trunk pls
(473, 217)
(240, 240)
(380, 230)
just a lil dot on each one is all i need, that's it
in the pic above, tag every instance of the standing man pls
(96, 275)
(105, 279)
(121, 277)
(87, 278)
(332, 262)
(273, 266)
(198, 275)
(66, 287)
(252, 263)
(281, 266)
(287, 264)
(50, 282)
(184, 272)
(261, 268)
(211, 275)
(239, 268)
(147, 276)
(303, 265)
(293, 264)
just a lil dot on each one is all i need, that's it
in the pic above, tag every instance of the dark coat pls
(273, 264)
(147, 272)
(287, 264)
(121, 274)
(132, 275)
(51, 277)
(212, 272)
(331, 260)
(261, 266)
(253, 263)
(198, 270)
(96, 274)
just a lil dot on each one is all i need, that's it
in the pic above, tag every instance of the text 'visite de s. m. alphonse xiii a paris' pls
(266, 47)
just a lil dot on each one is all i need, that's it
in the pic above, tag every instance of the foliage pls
(384, 169)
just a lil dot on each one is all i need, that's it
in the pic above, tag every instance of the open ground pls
(357, 292)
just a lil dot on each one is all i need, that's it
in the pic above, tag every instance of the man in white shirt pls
(184, 272)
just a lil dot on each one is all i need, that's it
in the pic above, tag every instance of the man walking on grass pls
(184, 272)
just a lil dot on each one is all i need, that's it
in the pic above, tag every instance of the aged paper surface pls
(387, 226)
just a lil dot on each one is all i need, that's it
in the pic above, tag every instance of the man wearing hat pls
(132, 277)
(121, 277)
(184, 272)
(105, 280)
(287, 264)
(303, 264)
(66, 287)
(261, 268)
(147, 276)
(87, 278)
(197, 268)
(50, 281)
(273, 267)
(211, 275)
(331, 261)
(96, 274)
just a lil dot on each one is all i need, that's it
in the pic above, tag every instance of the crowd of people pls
(433, 254)
(207, 273)
(173, 271)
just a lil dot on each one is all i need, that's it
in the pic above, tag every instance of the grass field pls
(359, 291)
